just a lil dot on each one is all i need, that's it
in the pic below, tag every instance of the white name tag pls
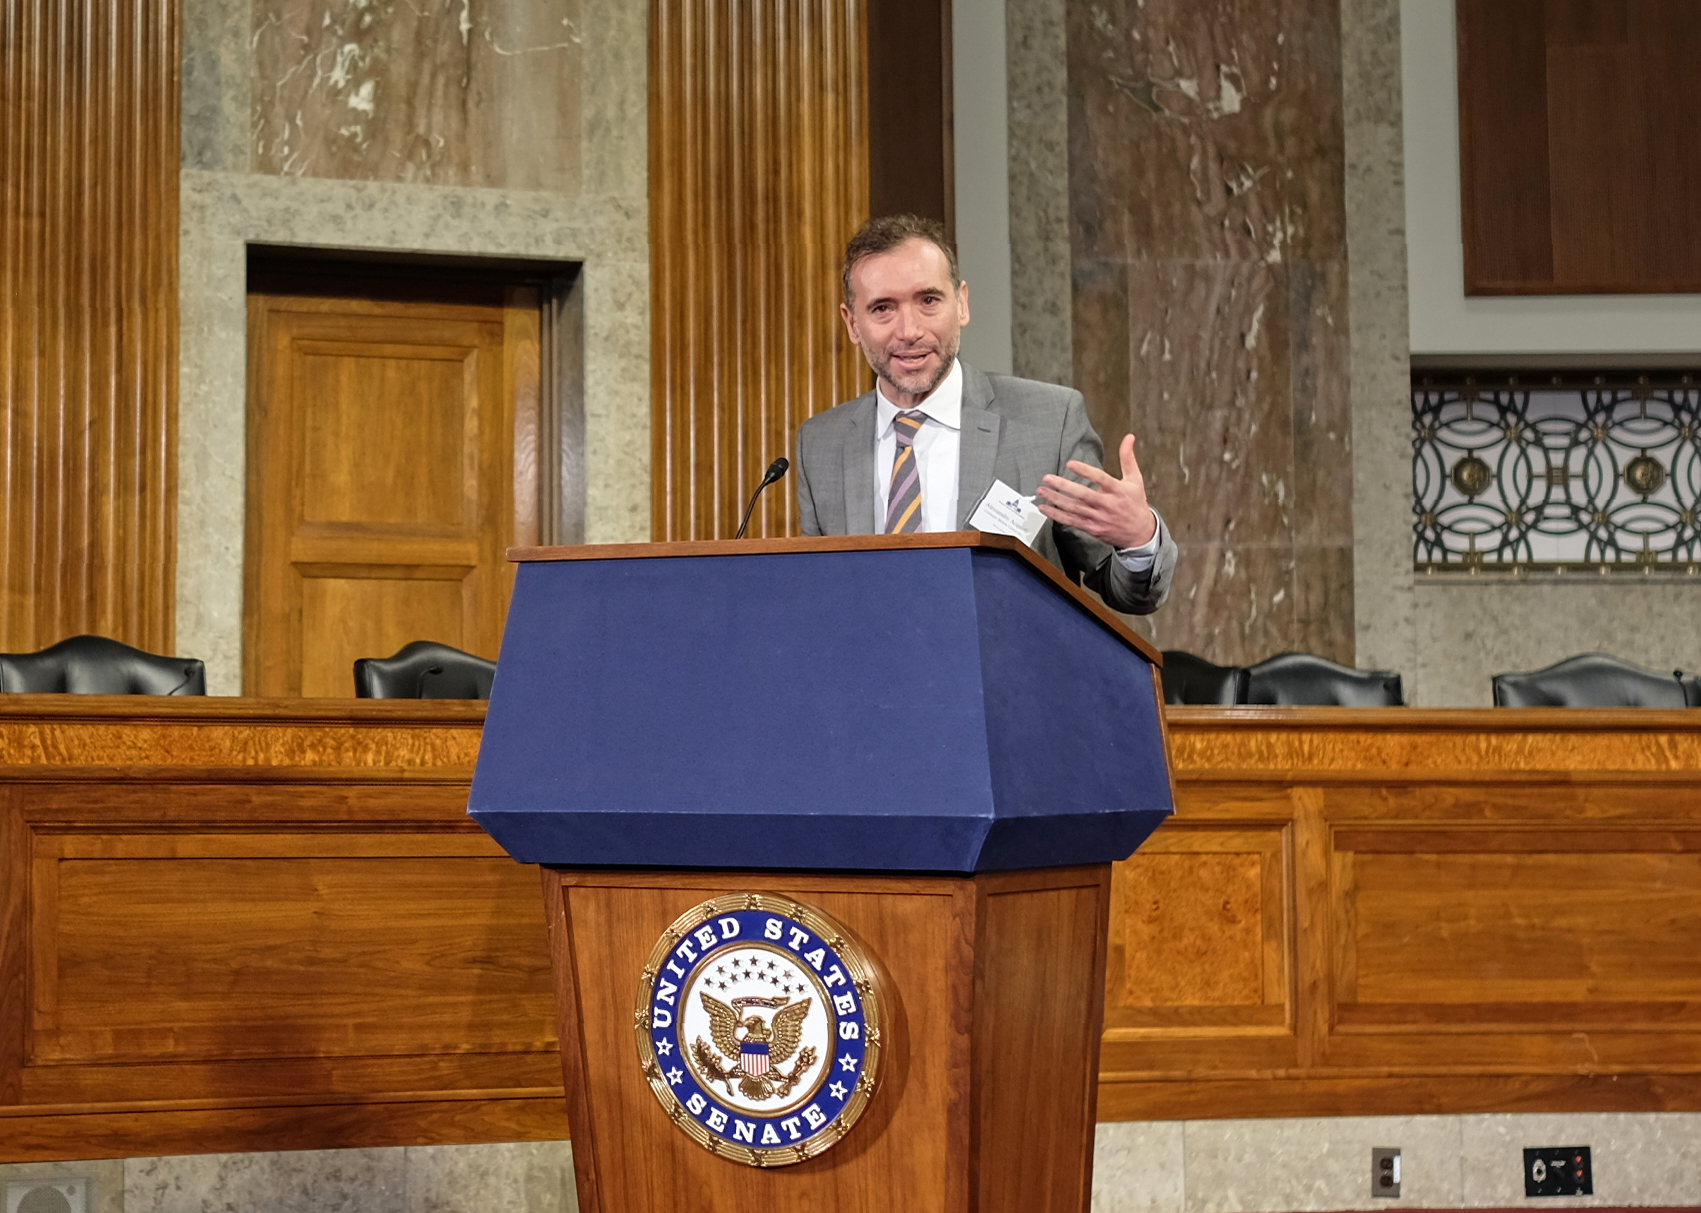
(1004, 511)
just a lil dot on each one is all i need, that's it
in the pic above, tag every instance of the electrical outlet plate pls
(48, 1194)
(1558, 1171)
(1384, 1171)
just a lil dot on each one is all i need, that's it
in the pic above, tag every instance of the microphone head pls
(776, 469)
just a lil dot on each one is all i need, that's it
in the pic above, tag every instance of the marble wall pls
(1447, 1162)
(1467, 629)
(433, 91)
(1448, 635)
(1210, 311)
(1036, 47)
(464, 127)
(1451, 634)
(1381, 465)
(1204, 1166)
(522, 1177)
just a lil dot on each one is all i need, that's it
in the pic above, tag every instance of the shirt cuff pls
(1142, 558)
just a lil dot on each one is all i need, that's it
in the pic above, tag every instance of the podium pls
(825, 827)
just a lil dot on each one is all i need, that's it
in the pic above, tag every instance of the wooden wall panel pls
(1575, 178)
(255, 925)
(1198, 935)
(1502, 142)
(125, 971)
(911, 148)
(1461, 911)
(89, 102)
(758, 177)
(248, 924)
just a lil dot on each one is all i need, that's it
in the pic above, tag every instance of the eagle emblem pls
(764, 1047)
(759, 1025)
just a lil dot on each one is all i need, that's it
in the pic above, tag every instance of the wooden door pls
(384, 440)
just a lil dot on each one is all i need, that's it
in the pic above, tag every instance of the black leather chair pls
(424, 669)
(1596, 680)
(1191, 679)
(94, 665)
(1304, 679)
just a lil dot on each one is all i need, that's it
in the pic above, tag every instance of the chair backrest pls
(424, 669)
(1192, 679)
(1596, 680)
(1304, 679)
(94, 665)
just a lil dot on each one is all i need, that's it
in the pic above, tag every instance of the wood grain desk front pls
(239, 924)
(233, 924)
(1405, 911)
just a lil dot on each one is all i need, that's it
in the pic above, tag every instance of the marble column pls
(1380, 340)
(1210, 306)
(1037, 99)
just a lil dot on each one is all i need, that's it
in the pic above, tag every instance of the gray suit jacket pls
(1014, 430)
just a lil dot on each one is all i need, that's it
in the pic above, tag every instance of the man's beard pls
(915, 384)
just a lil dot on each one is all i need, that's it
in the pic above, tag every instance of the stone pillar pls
(1208, 238)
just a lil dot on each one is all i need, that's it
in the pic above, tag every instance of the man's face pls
(907, 318)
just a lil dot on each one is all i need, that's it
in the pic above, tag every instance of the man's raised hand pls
(1107, 507)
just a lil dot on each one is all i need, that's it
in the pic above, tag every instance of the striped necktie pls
(903, 497)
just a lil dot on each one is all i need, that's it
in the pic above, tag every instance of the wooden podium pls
(926, 750)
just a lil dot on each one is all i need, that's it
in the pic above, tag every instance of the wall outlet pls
(1384, 1171)
(1558, 1171)
(49, 1194)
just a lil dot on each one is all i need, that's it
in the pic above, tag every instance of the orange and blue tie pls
(903, 498)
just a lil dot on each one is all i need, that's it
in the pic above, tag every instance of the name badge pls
(1004, 511)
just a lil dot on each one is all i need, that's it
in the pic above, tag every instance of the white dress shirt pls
(937, 445)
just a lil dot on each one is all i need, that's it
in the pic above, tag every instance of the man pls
(919, 452)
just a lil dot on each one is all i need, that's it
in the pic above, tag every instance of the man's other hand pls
(1107, 508)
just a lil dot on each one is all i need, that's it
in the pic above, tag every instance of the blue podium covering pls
(935, 709)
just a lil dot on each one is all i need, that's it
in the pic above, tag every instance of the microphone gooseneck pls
(776, 469)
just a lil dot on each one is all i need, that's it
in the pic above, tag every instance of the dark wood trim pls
(1618, 368)
(911, 149)
(31, 1135)
(1675, 286)
(1572, 179)
(1503, 144)
(569, 1016)
(293, 261)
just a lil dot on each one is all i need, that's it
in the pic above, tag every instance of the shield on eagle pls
(753, 1057)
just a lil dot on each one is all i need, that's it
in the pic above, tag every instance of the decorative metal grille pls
(1521, 474)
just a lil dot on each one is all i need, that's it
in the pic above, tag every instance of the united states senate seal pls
(759, 1028)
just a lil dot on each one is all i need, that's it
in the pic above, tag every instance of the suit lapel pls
(978, 448)
(859, 467)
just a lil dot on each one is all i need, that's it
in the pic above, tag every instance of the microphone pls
(776, 469)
